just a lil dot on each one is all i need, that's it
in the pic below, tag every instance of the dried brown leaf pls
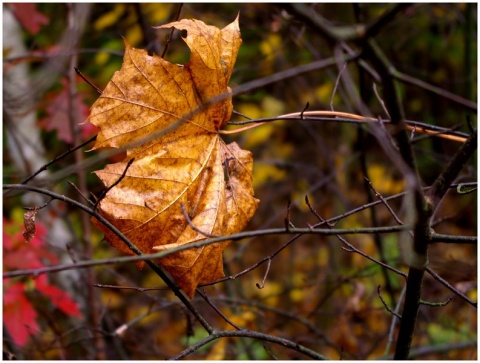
(29, 223)
(189, 166)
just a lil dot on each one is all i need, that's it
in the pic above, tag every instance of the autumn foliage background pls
(315, 293)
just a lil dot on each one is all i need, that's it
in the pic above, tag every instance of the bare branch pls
(447, 177)
(254, 335)
(447, 238)
(386, 306)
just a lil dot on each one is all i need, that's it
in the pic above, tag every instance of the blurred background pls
(315, 293)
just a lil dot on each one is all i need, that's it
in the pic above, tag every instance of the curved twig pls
(250, 334)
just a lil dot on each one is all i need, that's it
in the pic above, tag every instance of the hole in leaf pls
(183, 33)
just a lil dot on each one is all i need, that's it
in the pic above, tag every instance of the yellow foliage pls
(259, 135)
(101, 58)
(472, 294)
(242, 320)
(415, 105)
(157, 12)
(298, 197)
(283, 150)
(324, 92)
(16, 215)
(383, 181)
(218, 350)
(134, 34)
(249, 109)
(323, 256)
(270, 292)
(269, 46)
(365, 244)
(263, 173)
(272, 107)
(111, 299)
(297, 295)
(109, 18)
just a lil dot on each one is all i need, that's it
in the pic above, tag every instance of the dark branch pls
(447, 238)
(448, 176)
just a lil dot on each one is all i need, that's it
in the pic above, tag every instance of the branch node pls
(36, 208)
(304, 109)
(437, 304)
(385, 304)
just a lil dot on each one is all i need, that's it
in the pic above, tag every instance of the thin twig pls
(450, 287)
(405, 78)
(352, 248)
(289, 314)
(391, 330)
(122, 237)
(437, 304)
(330, 221)
(240, 114)
(169, 38)
(337, 81)
(287, 221)
(297, 231)
(439, 349)
(327, 116)
(261, 286)
(250, 334)
(36, 208)
(336, 116)
(246, 87)
(386, 306)
(378, 195)
(190, 223)
(139, 289)
(451, 171)
(307, 202)
(104, 193)
(384, 19)
(80, 193)
(58, 158)
(304, 109)
(380, 100)
(219, 312)
(99, 91)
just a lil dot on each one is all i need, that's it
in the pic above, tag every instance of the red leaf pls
(29, 17)
(19, 316)
(58, 117)
(59, 298)
(18, 255)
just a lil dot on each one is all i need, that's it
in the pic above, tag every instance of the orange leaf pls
(190, 166)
